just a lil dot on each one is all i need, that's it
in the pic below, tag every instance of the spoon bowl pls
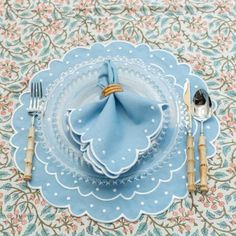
(202, 106)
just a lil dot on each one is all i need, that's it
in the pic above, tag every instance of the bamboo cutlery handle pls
(203, 163)
(29, 154)
(190, 164)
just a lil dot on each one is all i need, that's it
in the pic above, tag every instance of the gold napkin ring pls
(112, 88)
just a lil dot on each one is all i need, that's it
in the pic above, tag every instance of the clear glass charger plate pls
(77, 88)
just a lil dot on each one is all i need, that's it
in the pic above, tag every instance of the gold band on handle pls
(112, 88)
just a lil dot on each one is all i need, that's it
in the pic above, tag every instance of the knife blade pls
(187, 101)
(190, 144)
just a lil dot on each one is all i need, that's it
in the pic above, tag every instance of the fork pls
(36, 94)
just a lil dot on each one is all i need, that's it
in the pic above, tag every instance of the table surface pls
(201, 33)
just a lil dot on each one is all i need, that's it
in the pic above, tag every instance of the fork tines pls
(36, 93)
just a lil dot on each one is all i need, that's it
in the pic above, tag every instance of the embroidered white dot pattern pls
(152, 107)
(113, 161)
(91, 205)
(145, 131)
(68, 198)
(166, 193)
(80, 121)
(142, 203)
(104, 210)
(114, 190)
(99, 139)
(55, 194)
(117, 208)
(155, 201)
(97, 189)
(48, 184)
(137, 186)
(153, 120)
(129, 149)
(21, 118)
(123, 158)
(103, 152)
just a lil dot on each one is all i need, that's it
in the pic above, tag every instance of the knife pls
(190, 145)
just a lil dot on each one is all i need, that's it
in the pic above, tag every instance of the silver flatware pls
(36, 94)
(202, 111)
(190, 143)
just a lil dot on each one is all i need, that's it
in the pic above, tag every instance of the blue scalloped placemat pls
(151, 202)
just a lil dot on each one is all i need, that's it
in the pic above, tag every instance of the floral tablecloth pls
(201, 33)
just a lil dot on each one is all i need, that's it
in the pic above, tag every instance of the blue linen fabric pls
(117, 127)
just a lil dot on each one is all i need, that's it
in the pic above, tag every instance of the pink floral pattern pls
(201, 33)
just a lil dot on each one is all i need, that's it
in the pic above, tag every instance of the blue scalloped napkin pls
(114, 130)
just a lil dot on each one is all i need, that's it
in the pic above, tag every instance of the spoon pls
(202, 111)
